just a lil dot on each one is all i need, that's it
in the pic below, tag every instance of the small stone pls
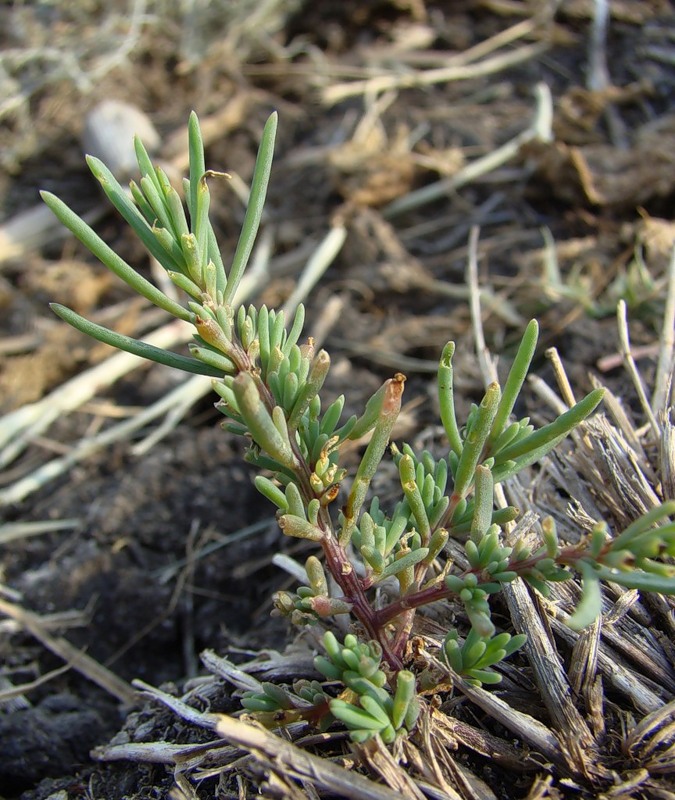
(109, 131)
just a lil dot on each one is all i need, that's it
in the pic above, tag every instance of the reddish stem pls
(568, 556)
(352, 586)
(337, 560)
(411, 602)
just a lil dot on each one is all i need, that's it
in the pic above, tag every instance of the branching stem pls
(568, 556)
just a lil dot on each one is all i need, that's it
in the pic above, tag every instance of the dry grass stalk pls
(8, 694)
(78, 660)
(270, 753)
(489, 66)
(539, 130)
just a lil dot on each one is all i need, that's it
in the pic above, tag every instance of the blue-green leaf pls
(134, 346)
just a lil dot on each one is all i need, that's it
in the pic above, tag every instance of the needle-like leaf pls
(109, 257)
(256, 202)
(134, 346)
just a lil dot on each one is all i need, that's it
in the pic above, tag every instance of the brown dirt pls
(604, 188)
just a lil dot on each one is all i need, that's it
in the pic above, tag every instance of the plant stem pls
(337, 560)
(341, 569)
(406, 604)
(568, 556)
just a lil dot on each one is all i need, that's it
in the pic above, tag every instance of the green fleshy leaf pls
(271, 491)
(209, 248)
(155, 197)
(446, 399)
(637, 579)
(200, 219)
(354, 717)
(186, 284)
(388, 414)
(145, 165)
(366, 422)
(514, 643)
(483, 503)
(644, 523)
(138, 348)
(590, 605)
(177, 213)
(404, 696)
(197, 161)
(296, 329)
(260, 422)
(486, 676)
(216, 259)
(254, 701)
(300, 528)
(544, 439)
(414, 497)
(371, 705)
(315, 380)
(109, 257)
(137, 195)
(405, 562)
(515, 380)
(213, 359)
(473, 444)
(119, 198)
(254, 210)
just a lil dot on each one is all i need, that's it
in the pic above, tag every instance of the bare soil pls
(168, 553)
